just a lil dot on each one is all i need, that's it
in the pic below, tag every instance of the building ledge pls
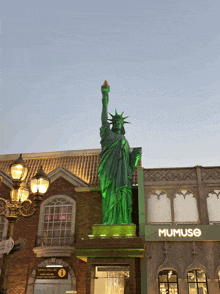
(110, 247)
(52, 251)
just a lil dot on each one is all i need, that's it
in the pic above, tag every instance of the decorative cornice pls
(170, 174)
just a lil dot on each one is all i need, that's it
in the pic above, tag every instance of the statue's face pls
(117, 125)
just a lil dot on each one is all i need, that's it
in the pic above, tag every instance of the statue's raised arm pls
(105, 88)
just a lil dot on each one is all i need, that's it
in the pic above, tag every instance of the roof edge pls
(50, 154)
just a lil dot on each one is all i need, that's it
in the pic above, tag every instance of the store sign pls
(182, 232)
(52, 273)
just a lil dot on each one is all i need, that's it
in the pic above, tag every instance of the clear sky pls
(160, 58)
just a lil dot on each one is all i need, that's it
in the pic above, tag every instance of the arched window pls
(168, 282)
(57, 221)
(197, 282)
(159, 208)
(185, 207)
(213, 206)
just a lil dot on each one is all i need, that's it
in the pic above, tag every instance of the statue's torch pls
(105, 88)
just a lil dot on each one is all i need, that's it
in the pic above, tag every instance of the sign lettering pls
(52, 273)
(179, 232)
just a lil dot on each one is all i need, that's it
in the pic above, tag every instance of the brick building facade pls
(71, 206)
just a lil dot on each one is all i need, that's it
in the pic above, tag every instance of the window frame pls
(172, 196)
(167, 270)
(196, 282)
(208, 196)
(42, 214)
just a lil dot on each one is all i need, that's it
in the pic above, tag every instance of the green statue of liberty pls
(116, 166)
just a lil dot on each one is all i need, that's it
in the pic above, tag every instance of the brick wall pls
(88, 212)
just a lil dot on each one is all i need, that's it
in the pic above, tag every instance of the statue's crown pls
(118, 117)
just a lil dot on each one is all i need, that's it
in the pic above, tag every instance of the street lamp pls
(19, 205)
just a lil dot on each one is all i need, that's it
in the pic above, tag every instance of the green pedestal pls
(113, 231)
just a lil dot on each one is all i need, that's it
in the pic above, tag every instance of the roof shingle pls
(82, 163)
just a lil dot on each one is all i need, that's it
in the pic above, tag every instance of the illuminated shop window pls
(159, 207)
(185, 207)
(219, 279)
(213, 206)
(168, 282)
(197, 282)
(111, 279)
(57, 222)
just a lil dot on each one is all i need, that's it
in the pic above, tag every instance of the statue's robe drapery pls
(115, 177)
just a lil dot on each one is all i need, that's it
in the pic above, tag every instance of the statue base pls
(113, 231)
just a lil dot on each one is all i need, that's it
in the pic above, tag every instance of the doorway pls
(52, 286)
(111, 279)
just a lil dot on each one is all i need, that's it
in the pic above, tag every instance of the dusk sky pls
(160, 58)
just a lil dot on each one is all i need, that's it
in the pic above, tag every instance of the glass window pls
(197, 282)
(57, 222)
(159, 208)
(111, 279)
(168, 282)
(185, 207)
(213, 206)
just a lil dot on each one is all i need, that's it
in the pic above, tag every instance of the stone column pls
(202, 204)
(182, 285)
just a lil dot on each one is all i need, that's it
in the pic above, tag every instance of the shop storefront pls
(179, 221)
(113, 264)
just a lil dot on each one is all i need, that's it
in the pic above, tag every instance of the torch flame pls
(105, 83)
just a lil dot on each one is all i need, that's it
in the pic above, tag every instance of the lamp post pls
(20, 206)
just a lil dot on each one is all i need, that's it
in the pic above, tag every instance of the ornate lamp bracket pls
(4, 205)
(27, 208)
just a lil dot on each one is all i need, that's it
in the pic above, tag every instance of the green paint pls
(135, 253)
(116, 166)
(141, 202)
(111, 230)
(94, 256)
(94, 189)
(107, 250)
(141, 206)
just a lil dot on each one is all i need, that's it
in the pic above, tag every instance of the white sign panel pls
(6, 246)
